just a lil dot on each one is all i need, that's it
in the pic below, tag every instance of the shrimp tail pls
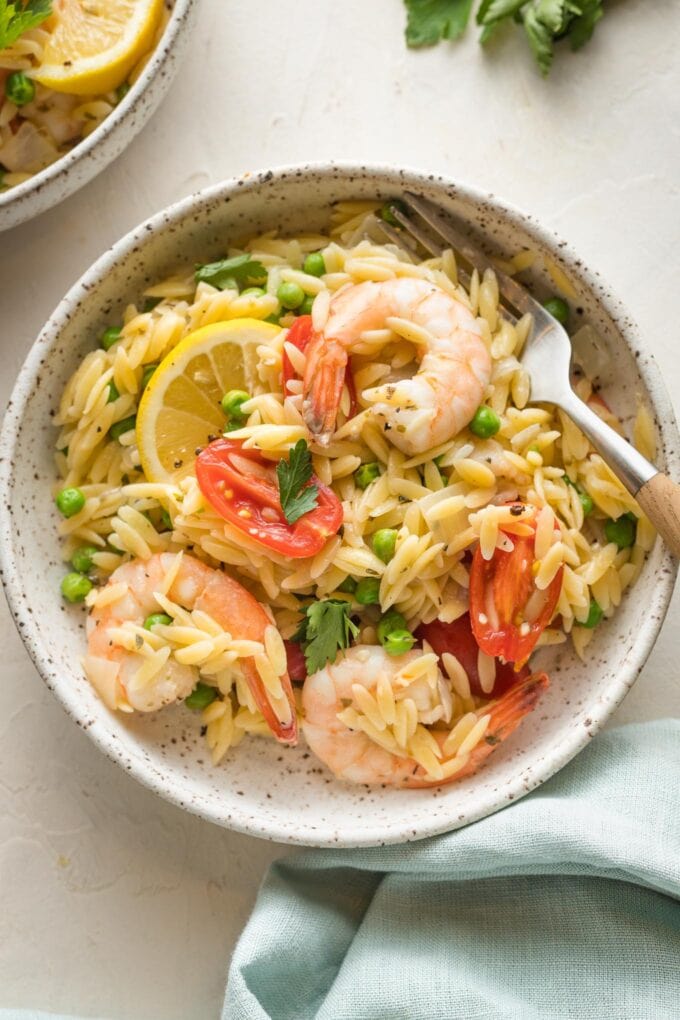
(326, 362)
(285, 732)
(505, 716)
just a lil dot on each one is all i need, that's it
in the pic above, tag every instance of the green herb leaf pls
(429, 21)
(540, 39)
(296, 495)
(583, 26)
(17, 18)
(241, 268)
(326, 628)
(494, 10)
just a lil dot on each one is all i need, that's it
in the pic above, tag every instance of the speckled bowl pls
(262, 788)
(59, 180)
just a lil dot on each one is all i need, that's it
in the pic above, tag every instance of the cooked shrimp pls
(353, 756)
(420, 412)
(195, 586)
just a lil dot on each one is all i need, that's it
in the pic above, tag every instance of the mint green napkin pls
(563, 905)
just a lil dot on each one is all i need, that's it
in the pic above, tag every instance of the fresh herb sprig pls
(297, 496)
(240, 270)
(17, 18)
(545, 22)
(326, 629)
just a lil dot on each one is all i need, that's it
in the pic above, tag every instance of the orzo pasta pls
(303, 487)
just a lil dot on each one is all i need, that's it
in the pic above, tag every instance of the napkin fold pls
(563, 905)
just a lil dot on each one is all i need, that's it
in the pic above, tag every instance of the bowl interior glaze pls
(261, 788)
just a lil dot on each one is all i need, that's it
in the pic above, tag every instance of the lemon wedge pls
(180, 409)
(95, 43)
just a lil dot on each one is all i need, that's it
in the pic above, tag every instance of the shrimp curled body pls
(354, 757)
(195, 586)
(418, 412)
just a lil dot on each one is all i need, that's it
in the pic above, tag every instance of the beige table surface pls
(112, 903)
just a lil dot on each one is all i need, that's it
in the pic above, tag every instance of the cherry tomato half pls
(508, 612)
(241, 486)
(457, 639)
(299, 334)
(295, 658)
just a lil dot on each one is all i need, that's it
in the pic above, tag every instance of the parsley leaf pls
(583, 26)
(17, 18)
(240, 268)
(293, 475)
(540, 39)
(545, 22)
(432, 20)
(326, 629)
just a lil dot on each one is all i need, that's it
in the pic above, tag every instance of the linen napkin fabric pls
(563, 905)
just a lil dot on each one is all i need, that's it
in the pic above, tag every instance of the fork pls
(547, 359)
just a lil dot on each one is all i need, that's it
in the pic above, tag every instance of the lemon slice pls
(96, 43)
(180, 410)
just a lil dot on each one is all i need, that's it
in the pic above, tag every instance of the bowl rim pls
(64, 166)
(526, 779)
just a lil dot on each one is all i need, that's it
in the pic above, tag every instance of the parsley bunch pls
(545, 22)
(17, 18)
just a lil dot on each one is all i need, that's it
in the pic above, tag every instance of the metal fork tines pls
(546, 355)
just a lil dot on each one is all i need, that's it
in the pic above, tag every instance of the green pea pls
(595, 614)
(166, 519)
(110, 336)
(151, 303)
(290, 295)
(74, 587)
(366, 474)
(121, 427)
(259, 291)
(485, 423)
(273, 318)
(113, 393)
(390, 621)
(82, 558)
(19, 88)
(306, 306)
(349, 586)
(558, 308)
(232, 402)
(233, 426)
(146, 375)
(122, 91)
(388, 216)
(201, 696)
(398, 642)
(368, 591)
(70, 502)
(157, 618)
(384, 543)
(621, 531)
(314, 264)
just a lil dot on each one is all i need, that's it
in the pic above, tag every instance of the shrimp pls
(111, 668)
(353, 756)
(419, 412)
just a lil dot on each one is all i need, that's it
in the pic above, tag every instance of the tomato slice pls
(241, 486)
(295, 657)
(508, 612)
(457, 639)
(299, 334)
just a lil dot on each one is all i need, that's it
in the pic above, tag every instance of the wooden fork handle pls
(660, 500)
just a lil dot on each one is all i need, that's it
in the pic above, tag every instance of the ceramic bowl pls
(59, 180)
(262, 788)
